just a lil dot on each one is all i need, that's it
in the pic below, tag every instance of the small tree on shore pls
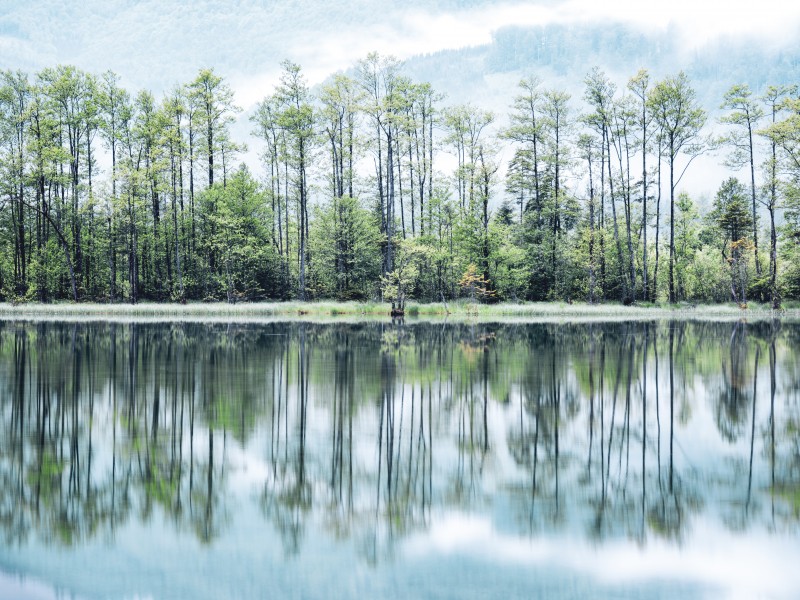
(397, 283)
(476, 285)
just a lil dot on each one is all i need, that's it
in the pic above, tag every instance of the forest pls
(373, 186)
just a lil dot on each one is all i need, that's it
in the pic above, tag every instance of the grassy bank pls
(536, 310)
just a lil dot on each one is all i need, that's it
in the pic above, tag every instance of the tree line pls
(371, 186)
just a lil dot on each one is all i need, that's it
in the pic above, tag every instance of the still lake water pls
(385, 460)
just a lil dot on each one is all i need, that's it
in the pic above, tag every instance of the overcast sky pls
(159, 43)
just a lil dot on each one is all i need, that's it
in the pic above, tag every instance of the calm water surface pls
(366, 460)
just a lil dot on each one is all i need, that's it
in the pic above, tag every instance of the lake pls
(647, 459)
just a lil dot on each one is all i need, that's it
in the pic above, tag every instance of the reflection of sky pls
(20, 588)
(737, 567)
(458, 549)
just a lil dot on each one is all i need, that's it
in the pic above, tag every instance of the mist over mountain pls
(562, 55)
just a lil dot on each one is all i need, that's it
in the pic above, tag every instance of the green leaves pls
(237, 233)
(346, 246)
(731, 213)
(398, 283)
(673, 103)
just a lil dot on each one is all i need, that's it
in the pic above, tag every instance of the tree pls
(624, 115)
(464, 126)
(783, 135)
(599, 95)
(639, 85)
(587, 145)
(674, 106)
(297, 120)
(339, 120)
(510, 272)
(174, 110)
(240, 236)
(276, 159)
(70, 95)
(424, 113)
(378, 77)
(43, 154)
(215, 110)
(734, 220)
(147, 131)
(557, 127)
(115, 109)
(686, 242)
(117, 220)
(395, 285)
(744, 116)
(131, 199)
(525, 129)
(15, 98)
(475, 285)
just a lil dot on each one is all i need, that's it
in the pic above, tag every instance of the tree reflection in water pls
(370, 430)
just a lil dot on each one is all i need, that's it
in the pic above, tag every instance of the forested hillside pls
(374, 185)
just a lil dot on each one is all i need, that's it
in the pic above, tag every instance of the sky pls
(156, 44)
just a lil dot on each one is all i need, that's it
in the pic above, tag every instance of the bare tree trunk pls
(617, 241)
(592, 275)
(658, 228)
(671, 222)
(753, 194)
(389, 198)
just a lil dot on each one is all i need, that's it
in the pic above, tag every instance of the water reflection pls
(368, 432)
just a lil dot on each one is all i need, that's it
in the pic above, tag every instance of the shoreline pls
(370, 311)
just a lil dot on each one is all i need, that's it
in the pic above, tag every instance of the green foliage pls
(236, 234)
(706, 278)
(396, 285)
(734, 221)
(686, 243)
(345, 242)
(789, 275)
(509, 268)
